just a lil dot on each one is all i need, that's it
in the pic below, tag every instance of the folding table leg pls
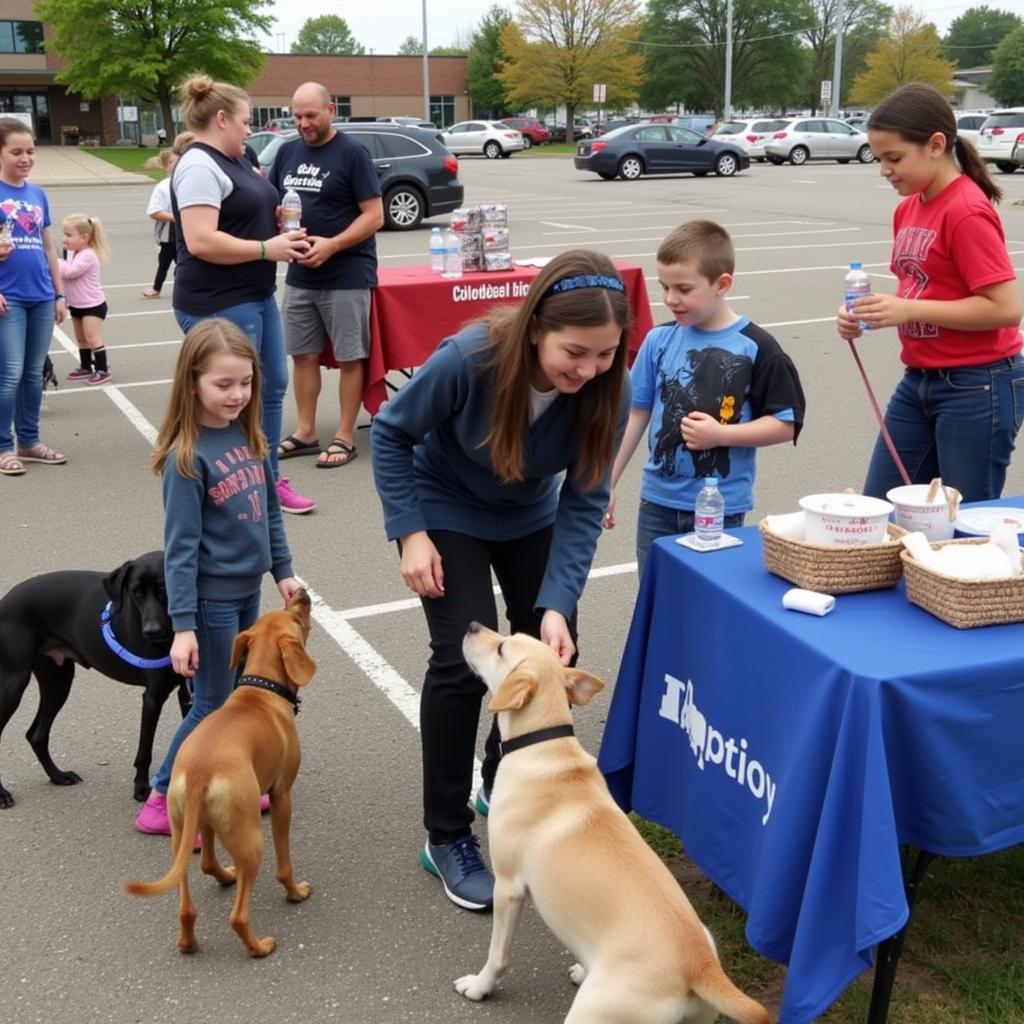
(888, 953)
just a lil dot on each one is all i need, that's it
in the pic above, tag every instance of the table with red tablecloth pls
(413, 310)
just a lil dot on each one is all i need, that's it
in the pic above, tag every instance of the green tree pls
(329, 34)
(908, 52)
(685, 43)
(559, 49)
(146, 50)
(411, 47)
(1007, 82)
(484, 60)
(973, 36)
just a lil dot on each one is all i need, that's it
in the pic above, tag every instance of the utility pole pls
(837, 67)
(426, 69)
(727, 113)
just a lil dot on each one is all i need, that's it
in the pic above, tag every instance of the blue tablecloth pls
(792, 754)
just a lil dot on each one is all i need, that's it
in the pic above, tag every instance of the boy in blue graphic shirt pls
(711, 385)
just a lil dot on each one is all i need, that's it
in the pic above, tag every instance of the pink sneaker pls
(291, 500)
(80, 373)
(264, 803)
(152, 816)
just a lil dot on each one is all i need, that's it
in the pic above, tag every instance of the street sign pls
(826, 89)
(599, 92)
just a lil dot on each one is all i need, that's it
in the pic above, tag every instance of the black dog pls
(50, 622)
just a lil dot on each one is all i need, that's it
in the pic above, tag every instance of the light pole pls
(837, 67)
(727, 113)
(426, 69)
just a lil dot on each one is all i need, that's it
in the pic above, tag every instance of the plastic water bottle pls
(857, 285)
(436, 251)
(452, 254)
(709, 512)
(291, 210)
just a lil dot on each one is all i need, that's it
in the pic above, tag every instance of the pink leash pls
(886, 436)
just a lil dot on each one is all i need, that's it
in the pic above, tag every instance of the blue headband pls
(570, 284)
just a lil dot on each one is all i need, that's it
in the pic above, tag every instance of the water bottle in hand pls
(709, 512)
(452, 254)
(291, 210)
(436, 251)
(857, 285)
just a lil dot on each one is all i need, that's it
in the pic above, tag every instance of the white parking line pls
(565, 227)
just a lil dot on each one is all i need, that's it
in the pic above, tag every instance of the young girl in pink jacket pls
(85, 247)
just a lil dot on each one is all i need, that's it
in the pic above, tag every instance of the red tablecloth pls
(413, 310)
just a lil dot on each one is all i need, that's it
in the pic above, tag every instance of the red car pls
(533, 131)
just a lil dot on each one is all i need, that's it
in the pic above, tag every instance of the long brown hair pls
(513, 361)
(915, 113)
(12, 126)
(180, 427)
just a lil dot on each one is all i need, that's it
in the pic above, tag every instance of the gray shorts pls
(342, 314)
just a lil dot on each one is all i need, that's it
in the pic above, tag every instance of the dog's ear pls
(115, 583)
(515, 692)
(297, 663)
(581, 686)
(240, 647)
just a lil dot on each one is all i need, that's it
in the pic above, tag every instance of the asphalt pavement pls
(377, 942)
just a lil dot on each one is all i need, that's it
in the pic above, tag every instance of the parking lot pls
(378, 941)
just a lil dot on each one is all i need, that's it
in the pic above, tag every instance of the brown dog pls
(556, 833)
(247, 747)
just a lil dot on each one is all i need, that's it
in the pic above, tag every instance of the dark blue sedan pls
(639, 149)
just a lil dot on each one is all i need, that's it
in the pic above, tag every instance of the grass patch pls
(963, 962)
(129, 158)
(552, 149)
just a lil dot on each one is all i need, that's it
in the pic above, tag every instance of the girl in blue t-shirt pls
(31, 301)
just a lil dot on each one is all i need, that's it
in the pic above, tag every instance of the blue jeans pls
(217, 625)
(959, 424)
(261, 322)
(656, 521)
(25, 332)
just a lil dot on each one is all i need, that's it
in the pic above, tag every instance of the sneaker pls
(482, 804)
(99, 377)
(466, 879)
(152, 816)
(80, 373)
(264, 803)
(291, 500)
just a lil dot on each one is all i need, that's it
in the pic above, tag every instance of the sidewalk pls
(73, 165)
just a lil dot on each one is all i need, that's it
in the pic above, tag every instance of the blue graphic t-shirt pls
(737, 374)
(25, 274)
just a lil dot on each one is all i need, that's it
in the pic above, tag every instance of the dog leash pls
(886, 436)
(119, 648)
(268, 684)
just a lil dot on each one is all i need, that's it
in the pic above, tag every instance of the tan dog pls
(247, 747)
(556, 833)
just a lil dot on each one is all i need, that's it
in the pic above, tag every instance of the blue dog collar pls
(119, 648)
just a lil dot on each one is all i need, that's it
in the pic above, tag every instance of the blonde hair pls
(180, 428)
(162, 160)
(706, 243)
(202, 97)
(92, 229)
(182, 141)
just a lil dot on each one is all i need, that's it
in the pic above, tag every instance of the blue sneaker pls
(467, 881)
(482, 804)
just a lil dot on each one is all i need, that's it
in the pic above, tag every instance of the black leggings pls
(163, 263)
(450, 703)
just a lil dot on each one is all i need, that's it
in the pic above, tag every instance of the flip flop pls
(11, 465)
(338, 446)
(298, 447)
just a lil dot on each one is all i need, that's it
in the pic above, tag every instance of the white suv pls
(1001, 133)
(968, 123)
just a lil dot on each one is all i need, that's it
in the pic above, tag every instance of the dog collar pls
(119, 648)
(269, 684)
(554, 732)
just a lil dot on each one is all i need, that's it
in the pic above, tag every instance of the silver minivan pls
(817, 138)
(999, 135)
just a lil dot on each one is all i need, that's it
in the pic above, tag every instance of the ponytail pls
(976, 169)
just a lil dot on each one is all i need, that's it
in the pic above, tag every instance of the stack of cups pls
(467, 224)
(495, 240)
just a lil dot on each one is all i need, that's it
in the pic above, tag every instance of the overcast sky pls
(382, 26)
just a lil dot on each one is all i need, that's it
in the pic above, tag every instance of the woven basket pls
(964, 603)
(833, 570)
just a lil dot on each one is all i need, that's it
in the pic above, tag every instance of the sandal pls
(298, 447)
(11, 465)
(338, 446)
(151, 293)
(40, 452)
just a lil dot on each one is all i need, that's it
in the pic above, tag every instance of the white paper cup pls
(914, 513)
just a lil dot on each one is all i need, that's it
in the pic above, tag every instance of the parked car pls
(408, 122)
(419, 178)
(279, 124)
(860, 122)
(615, 124)
(968, 124)
(750, 135)
(817, 138)
(1018, 152)
(999, 136)
(259, 141)
(700, 123)
(534, 131)
(635, 150)
(491, 138)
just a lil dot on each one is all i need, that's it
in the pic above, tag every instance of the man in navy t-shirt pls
(327, 292)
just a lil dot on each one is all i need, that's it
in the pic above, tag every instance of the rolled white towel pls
(790, 525)
(988, 561)
(1004, 536)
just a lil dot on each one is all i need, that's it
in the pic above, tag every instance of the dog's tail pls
(186, 843)
(715, 988)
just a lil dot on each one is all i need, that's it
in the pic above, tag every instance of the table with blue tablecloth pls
(793, 755)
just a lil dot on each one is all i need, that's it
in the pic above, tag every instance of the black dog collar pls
(268, 684)
(554, 732)
(119, 648)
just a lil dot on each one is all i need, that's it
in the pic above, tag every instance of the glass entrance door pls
(35, 103)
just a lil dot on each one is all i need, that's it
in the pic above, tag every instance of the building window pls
(21, 37)
(259, 116)
(442, 110)
(342, 106)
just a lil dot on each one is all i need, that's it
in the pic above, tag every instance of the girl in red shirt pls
(957, 306)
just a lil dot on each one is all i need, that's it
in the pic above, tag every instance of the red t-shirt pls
(948, 248)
